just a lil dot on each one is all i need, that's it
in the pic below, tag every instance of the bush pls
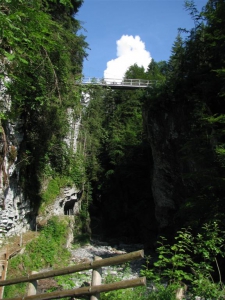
(49, 248)
(190, 260)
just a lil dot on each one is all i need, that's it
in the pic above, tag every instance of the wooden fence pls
(4, 266)
(93, 291)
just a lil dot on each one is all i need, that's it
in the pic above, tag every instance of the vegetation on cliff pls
(123, 133)
(188, 97)
(41, 55)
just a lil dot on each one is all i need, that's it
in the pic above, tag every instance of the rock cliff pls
(166, 133)
(17, 215)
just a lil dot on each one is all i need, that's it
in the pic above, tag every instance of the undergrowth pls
(46, 251)
(52, 191)
(188, 263)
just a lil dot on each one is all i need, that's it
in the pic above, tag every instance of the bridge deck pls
(117, 83)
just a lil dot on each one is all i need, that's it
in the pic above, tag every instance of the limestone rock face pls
(15, 211)
(74, 126)
(165, 133)
(67, 203)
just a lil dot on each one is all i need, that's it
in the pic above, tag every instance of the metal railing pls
(112, 82)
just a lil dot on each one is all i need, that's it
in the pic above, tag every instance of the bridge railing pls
(113, 82)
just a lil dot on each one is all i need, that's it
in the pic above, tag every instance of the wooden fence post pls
(115, 260)
(2, 276)
(96, 279)
(4, 271)
(21, 240)
(32, 286)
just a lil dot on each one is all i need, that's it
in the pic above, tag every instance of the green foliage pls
(82, 230)
(192, 95)
(191, 259)
(76, 169)
(16, 290)
(66, 281)
(157, 70)
(158, 292)
(188, 100)
(44, 54)
(126, 294)
(163, 292)
(46, 250)
(135, 72)
(52, 191)
(93, 133)
(116, 154)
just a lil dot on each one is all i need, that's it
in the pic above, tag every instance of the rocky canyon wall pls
(16, 212)
(167, 132)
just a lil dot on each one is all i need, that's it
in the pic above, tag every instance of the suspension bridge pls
(116, 83)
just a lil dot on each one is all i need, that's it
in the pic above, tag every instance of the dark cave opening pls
(69, 207)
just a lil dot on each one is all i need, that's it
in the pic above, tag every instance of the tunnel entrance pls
(69, 208)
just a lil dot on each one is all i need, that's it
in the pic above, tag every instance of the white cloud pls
(130, 50)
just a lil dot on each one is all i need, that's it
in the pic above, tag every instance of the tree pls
(41, 55)
(135, 72)
(157, 71)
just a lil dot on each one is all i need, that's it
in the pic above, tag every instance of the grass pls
(47, 250)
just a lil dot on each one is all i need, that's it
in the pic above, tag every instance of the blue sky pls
(124, 32)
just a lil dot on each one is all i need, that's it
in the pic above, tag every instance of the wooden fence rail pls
(95, 289)
(87, 290)
(4, 266)
(77, 268)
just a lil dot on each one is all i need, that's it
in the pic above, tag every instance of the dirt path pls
(10, 248)
(14, 244)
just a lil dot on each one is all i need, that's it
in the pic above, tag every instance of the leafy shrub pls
(52, 191)
(49, 248)
(190, 260)
(141, 293)
(15, 290)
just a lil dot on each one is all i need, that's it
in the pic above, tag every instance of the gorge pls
(129, 164)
